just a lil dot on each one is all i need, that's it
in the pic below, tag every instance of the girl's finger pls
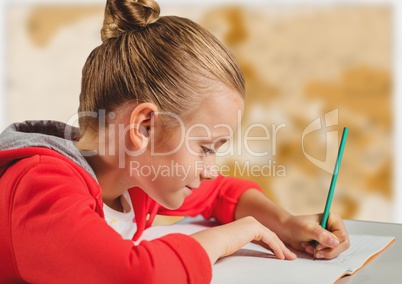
(329, 253)
(277, 246)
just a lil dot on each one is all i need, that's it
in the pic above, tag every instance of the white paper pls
(255, 264)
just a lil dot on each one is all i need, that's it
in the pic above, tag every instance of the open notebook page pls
(259, 264)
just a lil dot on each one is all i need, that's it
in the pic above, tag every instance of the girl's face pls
(171, 170)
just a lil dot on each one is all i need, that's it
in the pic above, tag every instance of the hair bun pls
(128, 15)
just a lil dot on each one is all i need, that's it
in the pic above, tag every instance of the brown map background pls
(300, 63)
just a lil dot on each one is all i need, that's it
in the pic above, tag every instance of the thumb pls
(325, 238)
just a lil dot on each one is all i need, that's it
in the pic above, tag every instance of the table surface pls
(385, 267)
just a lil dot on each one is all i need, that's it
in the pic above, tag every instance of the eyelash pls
(207, 151)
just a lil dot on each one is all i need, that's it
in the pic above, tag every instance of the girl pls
(158, 93)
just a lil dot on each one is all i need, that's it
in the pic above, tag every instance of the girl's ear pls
(141, 124)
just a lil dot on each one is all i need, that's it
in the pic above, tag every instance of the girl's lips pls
(191, 188)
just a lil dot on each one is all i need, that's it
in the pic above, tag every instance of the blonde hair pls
(146, 58)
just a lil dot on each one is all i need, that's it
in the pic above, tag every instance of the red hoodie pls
(53, 228)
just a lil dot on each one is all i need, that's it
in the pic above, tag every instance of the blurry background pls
(311, 68)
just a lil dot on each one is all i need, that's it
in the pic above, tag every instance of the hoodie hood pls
(53, 135)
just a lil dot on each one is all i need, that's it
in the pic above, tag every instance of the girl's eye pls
(207, 151)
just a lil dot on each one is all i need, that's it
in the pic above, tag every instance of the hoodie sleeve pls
(58, 237)
(214, 199)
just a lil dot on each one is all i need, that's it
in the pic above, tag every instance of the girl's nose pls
(209, 172)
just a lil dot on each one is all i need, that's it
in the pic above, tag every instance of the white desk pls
(385, 268)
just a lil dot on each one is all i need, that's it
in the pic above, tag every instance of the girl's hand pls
(305, 229)
(226, 239)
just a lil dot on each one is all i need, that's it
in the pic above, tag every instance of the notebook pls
(259, 264)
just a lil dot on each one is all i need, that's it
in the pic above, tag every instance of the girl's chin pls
(178, 200)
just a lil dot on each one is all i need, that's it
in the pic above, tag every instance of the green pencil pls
(327, 208)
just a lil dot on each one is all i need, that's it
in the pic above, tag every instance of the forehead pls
(220, 112)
